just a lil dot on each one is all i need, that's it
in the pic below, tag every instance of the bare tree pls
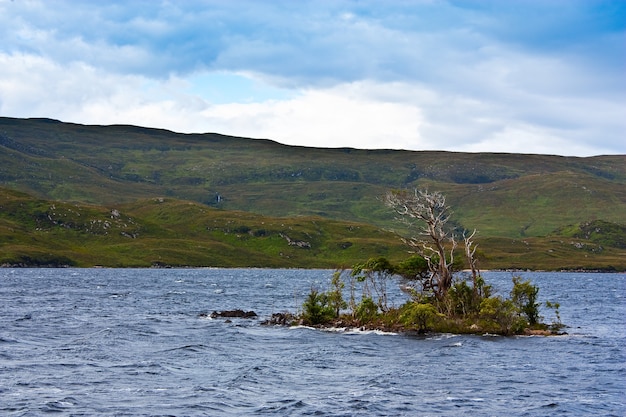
(470, 254)
(435, 242)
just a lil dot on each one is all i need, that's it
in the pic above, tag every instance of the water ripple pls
(131, 343)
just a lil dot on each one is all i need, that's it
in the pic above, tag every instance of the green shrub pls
(335, 294)
(502, 313)
(461, 299)
(422, 316)
(366, 311)
(315, 309)
(524, 296)
(464, 300)
(557, 324)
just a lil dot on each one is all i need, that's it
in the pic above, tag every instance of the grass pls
(171, 232)
(176, 233)
(214, 178)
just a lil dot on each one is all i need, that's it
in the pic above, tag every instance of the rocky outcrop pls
(280, 319)
(299, 243)
(233, 314)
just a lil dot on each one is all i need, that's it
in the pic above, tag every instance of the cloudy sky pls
(522, 76)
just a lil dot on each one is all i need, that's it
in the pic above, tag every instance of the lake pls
(137, 342)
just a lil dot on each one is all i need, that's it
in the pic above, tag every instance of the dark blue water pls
(134, 343)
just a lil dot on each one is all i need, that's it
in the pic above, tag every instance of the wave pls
(346, 330)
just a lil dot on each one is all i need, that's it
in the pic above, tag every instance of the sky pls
(517, 76)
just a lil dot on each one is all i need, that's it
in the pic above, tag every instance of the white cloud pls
(343, 116)
(354, 115)
(364, 114)
(417, 75)
(527, 139)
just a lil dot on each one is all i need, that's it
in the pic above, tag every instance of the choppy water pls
(130, 342)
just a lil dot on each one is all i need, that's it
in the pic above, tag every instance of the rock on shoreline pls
(231, 314)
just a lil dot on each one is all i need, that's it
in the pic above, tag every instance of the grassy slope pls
(120, 163)
(173, 232)
(160, 231)
(516, 197)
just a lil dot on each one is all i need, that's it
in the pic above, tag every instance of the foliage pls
(524, 297)
(316, 309)
(419, 315)
(557, 324)
(323, 307)
(413, 268)
(366, 310)
(466, 306)
(466, 309)
(462, 300)
(503, 313)
(597, 231)
(335, 294)
(465, 300)
(374, 274)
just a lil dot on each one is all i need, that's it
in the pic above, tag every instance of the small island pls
(442, 298)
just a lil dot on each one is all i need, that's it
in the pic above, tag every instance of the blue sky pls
(521, 76)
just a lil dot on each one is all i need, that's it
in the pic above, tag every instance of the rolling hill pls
(163, 232)
(507, 197)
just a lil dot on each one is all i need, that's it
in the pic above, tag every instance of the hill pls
(167, 232)
(505, 196)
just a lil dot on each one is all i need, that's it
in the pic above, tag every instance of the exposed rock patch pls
(299, 243)
(280, 319)
(232, 314)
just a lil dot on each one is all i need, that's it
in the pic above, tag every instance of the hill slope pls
(168, 232)
(161, 231)
(502, 195)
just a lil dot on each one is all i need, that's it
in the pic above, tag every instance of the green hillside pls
(505, 196)
(168, 232)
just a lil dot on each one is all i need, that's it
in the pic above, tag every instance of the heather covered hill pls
(167, 232)
(511, 196)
